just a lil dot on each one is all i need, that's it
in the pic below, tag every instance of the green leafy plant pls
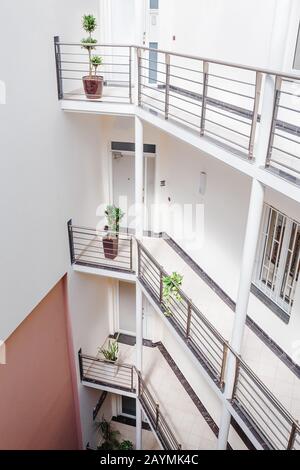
(89, 25)
(112, 351)
(109, 436)
(113, 215)
(171, 286)
(126, 445)
(96, 61)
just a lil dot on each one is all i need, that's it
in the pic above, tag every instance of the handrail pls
(240, 363)
(194, 57)
(150, 407)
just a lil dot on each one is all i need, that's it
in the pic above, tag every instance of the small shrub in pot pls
(92, 83)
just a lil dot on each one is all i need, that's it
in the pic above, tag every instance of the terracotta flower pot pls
(93, 86)
(110, 247)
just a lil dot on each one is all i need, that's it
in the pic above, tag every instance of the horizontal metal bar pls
(102, 71)
(186, 79)
(289, 109)
(285, 166)
(225, 138)
(189, 56)
(286, 137)
(232, 92)
(287, 153)
(228, 116)
(231, 79)
(227, 128)
(152, 97)
(185, 111)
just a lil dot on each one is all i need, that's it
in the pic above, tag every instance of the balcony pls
(95, 252)
(119, 378)
(220, 102)
(265, 416)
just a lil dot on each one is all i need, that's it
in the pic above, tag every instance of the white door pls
(123, 185)
(127, 307)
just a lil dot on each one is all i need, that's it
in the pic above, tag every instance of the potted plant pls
(126, 445)
(109, 436)
(110, 241)
(171, 286)
(92, 83)
(112, 351)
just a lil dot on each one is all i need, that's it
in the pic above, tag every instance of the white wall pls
(235, 30)
(50, 167)
(225, 213)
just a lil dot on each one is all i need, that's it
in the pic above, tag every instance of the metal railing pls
(153, 412)
(127, 378)
(106, 373)
(72, 64)
(284, 143)
(273, 423)
(102, 249)
(215, 99)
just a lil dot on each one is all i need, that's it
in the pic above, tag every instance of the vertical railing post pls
(156, 415)
(278, 83)
(80, 365)
(58, 67)
(139, 74)
(189, 318)
(167, 94)
(132, 370)
(258, 83)
(204, 97)
(71, 242)
(130, 74)
(236, 377)
(224, 363)
(130, 253)
(292, 436)
(160, 286)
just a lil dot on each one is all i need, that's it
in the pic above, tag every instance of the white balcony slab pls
(121, 275)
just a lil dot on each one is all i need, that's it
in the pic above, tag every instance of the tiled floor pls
(189, 427)
(272, 371)
(128, 433)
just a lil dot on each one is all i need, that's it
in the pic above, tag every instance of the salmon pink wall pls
(37, 405)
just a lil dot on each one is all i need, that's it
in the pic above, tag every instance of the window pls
(278, 264)
(128, 406)
(153, 62)
(153, 4)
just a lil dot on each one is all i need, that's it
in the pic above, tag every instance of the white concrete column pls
(249, 252)
(139, 17)
(139, 360)
(139, 178)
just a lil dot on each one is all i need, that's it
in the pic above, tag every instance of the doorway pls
(123, 185)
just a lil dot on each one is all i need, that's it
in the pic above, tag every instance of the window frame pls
(276, 292)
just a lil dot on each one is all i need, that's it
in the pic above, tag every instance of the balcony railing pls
(284, 144)
(271, 422)
(101, 249)
(105, 373)
(213, 98)
(126, 377)
(72, 64)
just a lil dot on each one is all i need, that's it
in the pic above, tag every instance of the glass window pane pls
(154, 4)
(128, 406)
(153, 62)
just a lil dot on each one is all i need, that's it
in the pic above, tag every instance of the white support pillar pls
(139, 225)
(139, 17)
(139, 361)
(139, 178)
(249, 252)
